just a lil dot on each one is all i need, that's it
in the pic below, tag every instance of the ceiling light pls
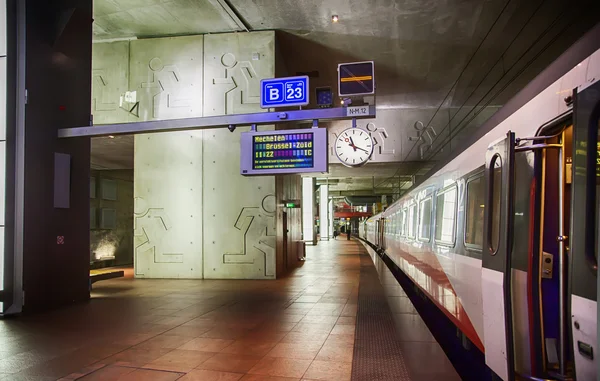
(335, 18)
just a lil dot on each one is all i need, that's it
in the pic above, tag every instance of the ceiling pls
(428, 53)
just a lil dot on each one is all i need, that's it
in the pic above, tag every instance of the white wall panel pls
(110, 80)
(232, 71)
(168, 207)
(239, 212)
(166, 74)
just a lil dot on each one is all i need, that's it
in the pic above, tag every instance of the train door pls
(584, 232)
(496, 261)
(381, 233)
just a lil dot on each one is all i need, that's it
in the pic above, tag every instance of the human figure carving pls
(168, 81)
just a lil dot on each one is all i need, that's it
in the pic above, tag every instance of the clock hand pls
(362, 149)
(352, 144)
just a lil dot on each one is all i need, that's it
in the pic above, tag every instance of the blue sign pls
(284, 92)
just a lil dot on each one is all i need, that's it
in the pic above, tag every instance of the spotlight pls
(335, 18)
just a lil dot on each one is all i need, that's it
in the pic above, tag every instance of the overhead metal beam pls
(222, 121)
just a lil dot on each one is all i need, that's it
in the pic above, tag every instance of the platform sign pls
(284, 92)
(356, 78)
(283, 151)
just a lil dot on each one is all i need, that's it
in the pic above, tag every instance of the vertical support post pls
(561, 259)
(308, 212)
(330, 204)
(324, 212)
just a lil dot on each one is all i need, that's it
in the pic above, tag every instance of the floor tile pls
(179, 360)
(341, 329)
(281, 367)
(256, 348)
(164, 341)
(210, 375)
(329, 371)
(136, 357)
(234, 363)
(304, 351)
(338, 352)
(150, 375)
(107, 373)
(346, 320)
(206, 344)
(258, 377)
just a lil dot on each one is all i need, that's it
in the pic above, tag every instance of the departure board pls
(279, 151)
(283, 151)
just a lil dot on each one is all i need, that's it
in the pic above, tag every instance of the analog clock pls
(353, 147)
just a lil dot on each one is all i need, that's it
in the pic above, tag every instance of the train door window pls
(495, 204)
(445, 215)
(425, 219)
(403, 222)
(412, 221)
(474, 213)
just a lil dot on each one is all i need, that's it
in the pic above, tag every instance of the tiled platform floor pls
(297, 328)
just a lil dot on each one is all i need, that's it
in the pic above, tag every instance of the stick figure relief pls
(101, 92)
(257, 229)
(241, 83)
(150, 226)
(167, 82)
(424, 136)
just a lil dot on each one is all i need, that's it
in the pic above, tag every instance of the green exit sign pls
(291, 205)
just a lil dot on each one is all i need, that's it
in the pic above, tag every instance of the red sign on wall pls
(60, 240)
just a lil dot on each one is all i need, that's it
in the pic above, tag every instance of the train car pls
(503, 238)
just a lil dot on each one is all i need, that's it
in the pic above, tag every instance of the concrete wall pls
(111, 245)
(195, 216)
(414, 134)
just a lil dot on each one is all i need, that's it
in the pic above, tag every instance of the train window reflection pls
(495, 204)
(425, 219)
(403, 222)
(412, 220)
(474, 212)
(445, 212)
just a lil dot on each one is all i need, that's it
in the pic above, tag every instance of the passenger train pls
(503, 238)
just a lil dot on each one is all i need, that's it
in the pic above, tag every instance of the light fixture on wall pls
(335, 18)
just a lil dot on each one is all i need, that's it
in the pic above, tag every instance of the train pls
(502, 238)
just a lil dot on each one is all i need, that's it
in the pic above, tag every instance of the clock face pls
(354, 147)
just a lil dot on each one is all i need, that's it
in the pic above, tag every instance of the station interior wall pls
(195, 216)
(111, 218)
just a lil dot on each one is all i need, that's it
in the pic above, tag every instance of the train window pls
(474, 213)
(495, 204)
(445, 215)
(412, 220)
(403, 222)
(425, 219)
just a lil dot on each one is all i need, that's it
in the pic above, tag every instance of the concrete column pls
(330, 209)
(308, 210)
(324, 212)
(195, 215)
